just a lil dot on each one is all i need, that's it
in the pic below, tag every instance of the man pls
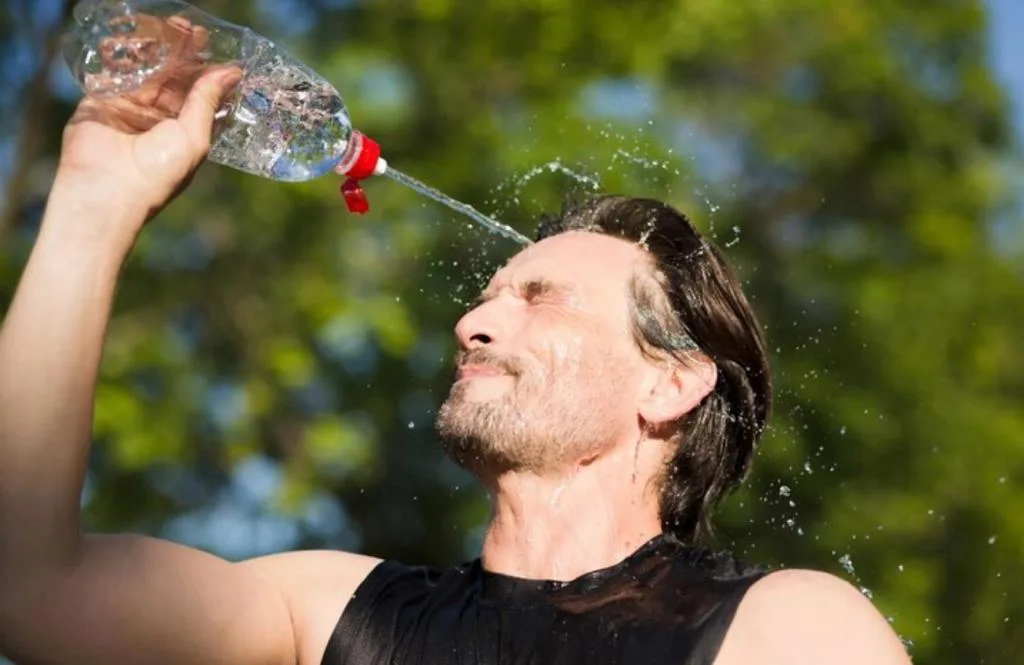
(611, 386)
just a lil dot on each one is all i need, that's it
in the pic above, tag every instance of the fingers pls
(120, 113)
(200, 38)
(194, 37)
(204, 99)
(180, 23)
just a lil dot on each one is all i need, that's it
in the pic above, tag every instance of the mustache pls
(486, 358)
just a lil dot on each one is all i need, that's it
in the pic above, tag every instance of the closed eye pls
(535, 289)
(531, 291)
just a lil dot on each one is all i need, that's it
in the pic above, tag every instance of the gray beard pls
(483, 438)
(514, 434)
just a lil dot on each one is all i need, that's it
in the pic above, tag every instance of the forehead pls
(590, 263)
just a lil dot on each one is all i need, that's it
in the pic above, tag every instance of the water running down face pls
(548, 366)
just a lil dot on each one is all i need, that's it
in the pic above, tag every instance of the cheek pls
(567, 352)
(582, 356)
(611, 360)
(582, 351)
(561, 352)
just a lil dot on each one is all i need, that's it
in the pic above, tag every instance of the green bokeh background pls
(274, 363)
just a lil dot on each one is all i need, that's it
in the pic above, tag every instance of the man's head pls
(620, 323)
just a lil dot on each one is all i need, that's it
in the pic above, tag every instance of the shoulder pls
(317, 587)
(807, 616)
(328, 593)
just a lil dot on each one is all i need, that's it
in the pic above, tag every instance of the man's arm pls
(71, 598)
(803, 617)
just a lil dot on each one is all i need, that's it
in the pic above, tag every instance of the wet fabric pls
(666, 603)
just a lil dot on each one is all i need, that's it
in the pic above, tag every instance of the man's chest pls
(482, 635)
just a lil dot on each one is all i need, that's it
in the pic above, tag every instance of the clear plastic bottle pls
(283, 121)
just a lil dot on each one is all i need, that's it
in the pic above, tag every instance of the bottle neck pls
(362, 158)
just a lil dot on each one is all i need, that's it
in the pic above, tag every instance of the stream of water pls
(458, 206)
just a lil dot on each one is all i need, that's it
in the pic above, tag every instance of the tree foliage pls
(274, 364)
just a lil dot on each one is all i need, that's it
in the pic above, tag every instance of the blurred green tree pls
(274, 363)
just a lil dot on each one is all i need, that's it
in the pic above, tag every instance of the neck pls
(561, 526)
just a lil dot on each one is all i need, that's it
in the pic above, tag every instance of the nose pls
(481, 326)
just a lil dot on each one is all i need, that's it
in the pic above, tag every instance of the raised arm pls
(72, 598)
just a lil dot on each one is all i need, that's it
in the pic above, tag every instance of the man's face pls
(547, 365)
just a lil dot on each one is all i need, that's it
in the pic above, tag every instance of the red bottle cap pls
(365, 165)
(366, 161)
(355, 197)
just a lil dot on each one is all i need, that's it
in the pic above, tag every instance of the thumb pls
(206, 96)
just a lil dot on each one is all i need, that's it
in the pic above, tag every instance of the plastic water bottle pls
(282, 121)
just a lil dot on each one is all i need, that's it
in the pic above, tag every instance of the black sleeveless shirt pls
(666, 603)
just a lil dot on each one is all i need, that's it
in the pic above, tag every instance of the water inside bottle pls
(284, 122)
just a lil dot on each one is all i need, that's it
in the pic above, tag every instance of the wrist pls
(91, 219)
(82, 237)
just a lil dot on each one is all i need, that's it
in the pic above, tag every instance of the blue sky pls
(1007, 23)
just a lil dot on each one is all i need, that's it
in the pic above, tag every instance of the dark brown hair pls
(690, 302)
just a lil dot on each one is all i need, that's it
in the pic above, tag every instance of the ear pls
(674, 389)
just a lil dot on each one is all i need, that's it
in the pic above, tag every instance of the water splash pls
(736, 238)
(652, 164)
(847, 563)
(556, 166)
(458, 206)
(508, 193)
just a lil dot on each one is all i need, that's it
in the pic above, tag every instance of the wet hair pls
(690, 303)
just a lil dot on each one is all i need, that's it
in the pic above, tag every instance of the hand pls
(128, 156)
